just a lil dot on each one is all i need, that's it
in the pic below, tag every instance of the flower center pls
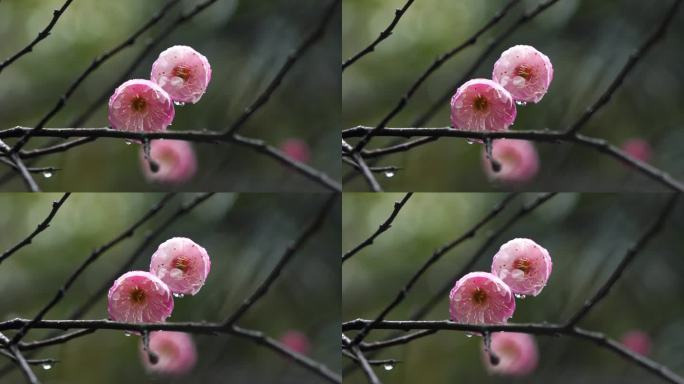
(182, 71)
(139, 104)
(524, 71)
(182, 263)
(137, 295)
(480, 103)
(522, 264)
(479, 296)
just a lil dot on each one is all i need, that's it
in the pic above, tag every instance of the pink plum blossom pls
(176, 160)
(637, 341)
(140, 106)
(518, 159)
(482, 105)
(183, 72)
(481, 298)
(139, 297)
(182, 264)
(525, 72)
(176, 353)
(296, 149)
(524, 265)
(638, 148)
(296, 341)
(517, 353)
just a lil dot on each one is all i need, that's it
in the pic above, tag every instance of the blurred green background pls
(588, 42)
(586, 235)
(246, 43)
(244, 235)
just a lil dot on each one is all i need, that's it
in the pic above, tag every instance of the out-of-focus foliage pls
(246, 42)
(588, 42)
(245, 235)
(587, 235)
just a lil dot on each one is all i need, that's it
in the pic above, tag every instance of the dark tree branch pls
(31, 345)
(436, 255)
(645, 238)
(361, 360)
(431, 69)
(23, 365)
(369, 346)
(387, 32)
(56, 14)
(387, 224)
(287, 256)
(385, 169)
(89, 260)
(391, 362)
(40, 228)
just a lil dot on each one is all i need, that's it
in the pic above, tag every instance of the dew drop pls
(47, 366)
(519, 296)
(388, 367)
(127, 142)
(178, 295)
(470, 141)
(127, 334)
(47, 174)
(468, 335)
(389, 174)
(521, 103)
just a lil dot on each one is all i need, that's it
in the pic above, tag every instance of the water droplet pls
(470, 141)
(388, 366)
(469, 335)
(47, 366)
(389, 174)
(178, 295)
(127, 142)
(521, 103)
(519, 296)
(47, 174)
(127, 334)
(179, 103)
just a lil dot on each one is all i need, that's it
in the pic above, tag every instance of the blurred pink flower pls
(182, 265)
(639, 149)
(176, 160)
(481, 298)
(183, 72)
(482, 105)
(176, 352)
(518, 158)
(517, 353)
(296, 341)
(525, 72)
(296, 149)
(637, 341)
(524, 265)
(139, 297)
(140, 106)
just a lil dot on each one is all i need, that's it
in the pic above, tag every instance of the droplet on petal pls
(183, 72)
(482, 105)
(140, 106)
(176, 161)
(182, 264)
(524, 265)
(176, 353)
(139, 297)
(518, 159)
(481, 298)
(517, 353)
(525, 72)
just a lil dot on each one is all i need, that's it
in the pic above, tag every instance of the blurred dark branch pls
(187, 327)
(56, 205)
(56, 14)
(633, 59)
(387, 32)
(290, 251)
(598, 144)
(387, 224)
(91, 68)
(429, 71)
(631, 253)
(599, 339)
(292, 58)
(89, 260)
(436, 255)
(195, 136)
